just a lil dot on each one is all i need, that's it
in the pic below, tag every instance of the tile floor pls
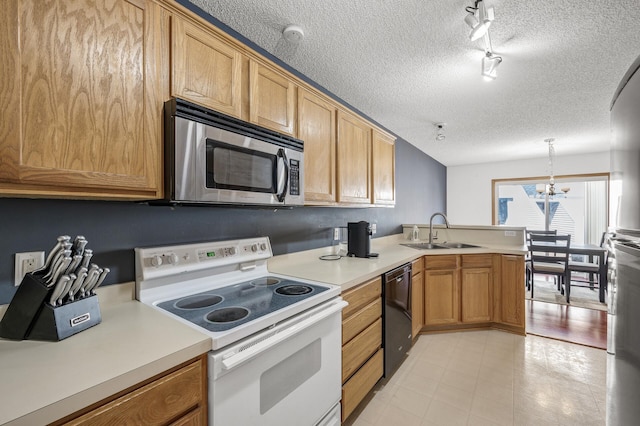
(491, 378)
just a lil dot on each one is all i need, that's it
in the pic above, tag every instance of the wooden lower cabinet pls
(510, 290)
(178, 397)
(441, 288)
(474, 290)
(354, 391)
(362, 353)
(417, 297)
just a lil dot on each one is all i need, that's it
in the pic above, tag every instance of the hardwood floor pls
(569, 323)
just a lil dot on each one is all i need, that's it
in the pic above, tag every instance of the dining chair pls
(527, 260)
(549, 255)
(591, 267)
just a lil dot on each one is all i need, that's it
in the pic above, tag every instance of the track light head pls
(489, 65)
(479, 20)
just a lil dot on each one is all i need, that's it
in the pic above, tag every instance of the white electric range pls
(276, 341)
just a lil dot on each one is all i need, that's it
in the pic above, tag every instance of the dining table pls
(593, 251)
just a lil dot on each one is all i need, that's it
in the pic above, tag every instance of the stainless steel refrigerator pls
(623, 334)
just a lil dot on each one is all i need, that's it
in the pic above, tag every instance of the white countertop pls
(350, 271)
(41, 382)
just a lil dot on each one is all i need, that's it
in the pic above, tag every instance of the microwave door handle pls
(282, 175)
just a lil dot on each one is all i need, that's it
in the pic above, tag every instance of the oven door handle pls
(243, 356)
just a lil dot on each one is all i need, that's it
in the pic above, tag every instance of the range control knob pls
(263, 246)
(172, 259)
(156, 261)
(254, 247)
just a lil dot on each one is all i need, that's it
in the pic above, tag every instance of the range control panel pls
(168, 260)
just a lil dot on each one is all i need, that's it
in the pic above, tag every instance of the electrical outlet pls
(27, 262)
(373, 229)
(336, 234)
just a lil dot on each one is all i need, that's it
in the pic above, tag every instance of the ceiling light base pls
(293, 34)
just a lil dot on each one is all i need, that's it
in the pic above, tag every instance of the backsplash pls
(115, 228)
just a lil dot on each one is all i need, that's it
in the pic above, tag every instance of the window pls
(579, 206)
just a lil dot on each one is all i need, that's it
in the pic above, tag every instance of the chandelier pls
(552, 154)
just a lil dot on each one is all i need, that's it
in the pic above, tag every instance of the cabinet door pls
(476, 291)
(383, 157)
(441, 297)
(79, 98)
(417, 301)
(354, 159)
(177, 395)
(317, 128)
(271, 99)
(512, 290)
(206, 70)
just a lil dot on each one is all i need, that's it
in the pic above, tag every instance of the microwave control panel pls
(294, 177)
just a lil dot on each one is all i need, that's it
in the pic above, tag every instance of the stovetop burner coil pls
(198, 301)
(293, 290)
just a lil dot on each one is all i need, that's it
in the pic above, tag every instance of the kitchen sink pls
(459, 245)
(424, 246)
(434, 246)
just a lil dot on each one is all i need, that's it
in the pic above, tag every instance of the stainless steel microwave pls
(211, 158)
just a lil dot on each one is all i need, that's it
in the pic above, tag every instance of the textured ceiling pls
(409, 64)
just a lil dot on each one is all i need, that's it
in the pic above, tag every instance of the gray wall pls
(114, 228)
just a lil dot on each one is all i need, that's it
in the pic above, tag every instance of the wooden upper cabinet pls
(317, 128)
(79, 95)
(354, 159)
(271, 99)
(205, 70)
(384, 163)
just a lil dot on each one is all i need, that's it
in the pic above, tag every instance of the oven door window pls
(242, 169)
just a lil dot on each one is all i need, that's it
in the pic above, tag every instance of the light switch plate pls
(27, 262)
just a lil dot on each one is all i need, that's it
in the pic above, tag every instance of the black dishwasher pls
(397, 317)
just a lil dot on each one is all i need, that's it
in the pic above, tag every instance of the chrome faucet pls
(446, 222)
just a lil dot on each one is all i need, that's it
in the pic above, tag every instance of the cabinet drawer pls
(477, 260)
(166, 398)
(360, 348)
(360, 296)
(361, 320)
(417, 266)
(194, 418)
(441, 262)
(361, 383)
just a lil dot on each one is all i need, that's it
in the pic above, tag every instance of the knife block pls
(58, 323)
(30, 316)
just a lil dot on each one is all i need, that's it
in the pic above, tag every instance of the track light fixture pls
(440, 135)
(479, 19)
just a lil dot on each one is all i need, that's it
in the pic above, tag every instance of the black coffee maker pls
(359, 239)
